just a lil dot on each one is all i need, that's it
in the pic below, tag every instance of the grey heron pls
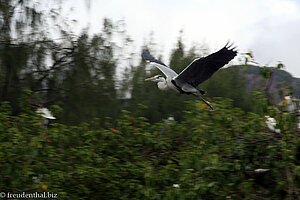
(197, 72)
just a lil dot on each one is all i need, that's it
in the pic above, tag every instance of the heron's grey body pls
(197, 72)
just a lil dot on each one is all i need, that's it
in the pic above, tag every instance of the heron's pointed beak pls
(149, 79)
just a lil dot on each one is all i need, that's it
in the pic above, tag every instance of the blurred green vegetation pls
(209, 155)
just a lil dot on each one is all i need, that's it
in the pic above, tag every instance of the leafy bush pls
(209, 155)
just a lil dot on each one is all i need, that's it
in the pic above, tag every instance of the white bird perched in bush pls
(261, 170)
(271, 124)
(287, 101)
(44, 112)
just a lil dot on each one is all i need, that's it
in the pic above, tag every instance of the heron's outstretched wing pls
(203, 68)
(161, 66)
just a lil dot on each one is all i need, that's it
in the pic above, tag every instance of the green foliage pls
(24, 46)
(89, 82)
(265, 72)
(75, 72)
(209, 155)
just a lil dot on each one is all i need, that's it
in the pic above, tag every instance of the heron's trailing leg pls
(206, 102)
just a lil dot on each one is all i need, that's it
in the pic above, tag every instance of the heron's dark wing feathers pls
(150, 58)
(203, 68)
(161, 66)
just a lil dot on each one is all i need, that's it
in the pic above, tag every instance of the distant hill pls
(238, 82)
(254, 81)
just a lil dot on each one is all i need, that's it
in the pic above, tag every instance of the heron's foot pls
(211, 107)
(206, 102)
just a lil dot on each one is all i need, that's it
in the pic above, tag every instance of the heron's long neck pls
(162, 85)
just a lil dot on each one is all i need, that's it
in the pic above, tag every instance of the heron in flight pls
(197, 72)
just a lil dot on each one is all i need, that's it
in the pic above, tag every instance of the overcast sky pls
(269, 28)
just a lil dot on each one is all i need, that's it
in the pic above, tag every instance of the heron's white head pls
(157, 78)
